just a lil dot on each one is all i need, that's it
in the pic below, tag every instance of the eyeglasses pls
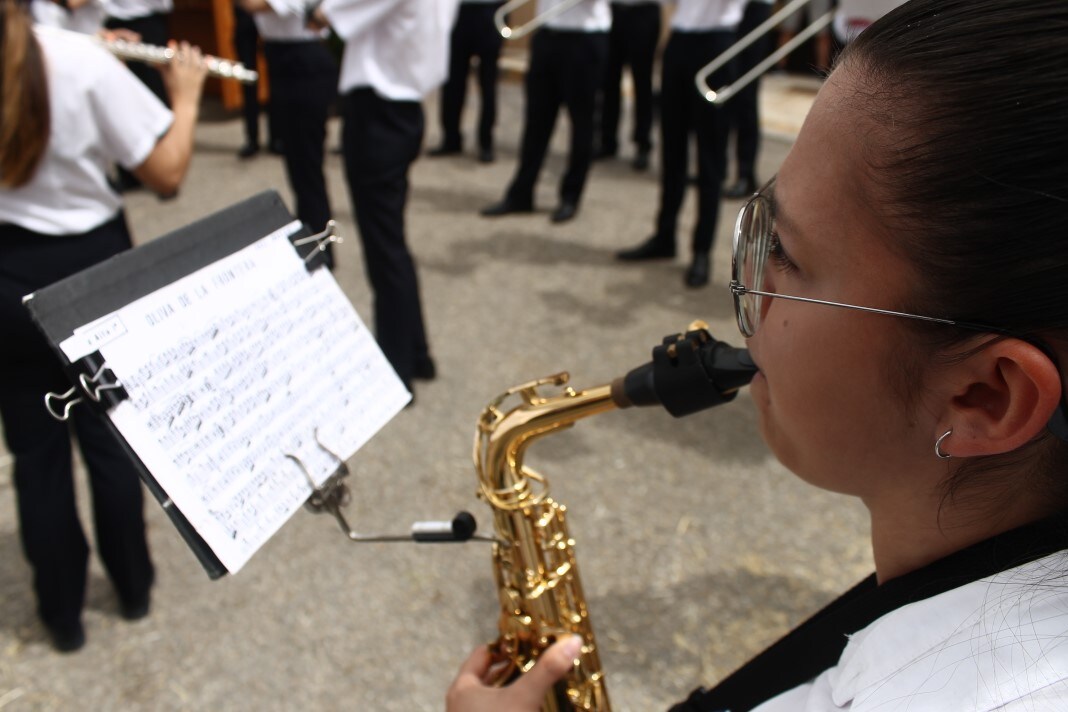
(754, 240)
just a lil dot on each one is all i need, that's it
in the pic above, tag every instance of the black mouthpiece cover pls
(464, 526)
(688, 373)
(461, 528)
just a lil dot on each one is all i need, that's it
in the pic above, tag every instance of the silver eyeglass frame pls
(738, 289)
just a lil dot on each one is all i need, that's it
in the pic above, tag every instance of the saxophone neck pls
(505, 433)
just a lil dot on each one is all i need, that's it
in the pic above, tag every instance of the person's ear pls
(1000, 399)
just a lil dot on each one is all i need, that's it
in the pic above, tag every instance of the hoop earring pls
(938, 445)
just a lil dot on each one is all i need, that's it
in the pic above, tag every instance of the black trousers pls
(566, 68)
(52, 536)
(380, 140)
(246, 41)
(631, 43)
(154, 30)
(303, 84)
(743, 108)
(684, 112)
(474, 35)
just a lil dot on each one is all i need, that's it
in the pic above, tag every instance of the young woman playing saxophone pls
(903, 287)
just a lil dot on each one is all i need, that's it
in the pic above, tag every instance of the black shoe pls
(698, 273)
(741, 188)
(652, 249)
(67, 638)
(135, 610)
(444, 150)
(641, 160)
(505, 207)
(486, 155)
(564, 212)
(425, 369)
(248, 150)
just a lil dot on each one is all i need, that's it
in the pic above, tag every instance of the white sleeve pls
(288, 8)
(1047, 699)
(349, 18)
(129, 117)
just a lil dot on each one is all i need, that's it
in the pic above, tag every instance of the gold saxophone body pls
(541, 596)
(534, 561)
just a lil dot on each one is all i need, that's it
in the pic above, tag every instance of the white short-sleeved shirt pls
(586, 16)
(87, 19)
(1000, 643)
(286, 22)
(855, 15)
(132, 9)
(100, 115)
(399, 48)
(705, 15)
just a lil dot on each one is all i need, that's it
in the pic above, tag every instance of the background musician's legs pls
(118, 513)
(454, 91)
(582, 73)
(381, 138)
(744, 110)
(52, 537)
(542, 103)
(675, 86)
(644, 38)
(611, 89)
(246, 40)
(488, 49)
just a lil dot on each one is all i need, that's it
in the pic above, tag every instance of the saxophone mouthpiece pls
(689, 372)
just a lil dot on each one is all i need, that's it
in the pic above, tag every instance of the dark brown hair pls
(24, 110)
(970, 161)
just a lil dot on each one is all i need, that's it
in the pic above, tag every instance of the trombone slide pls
(723, 94)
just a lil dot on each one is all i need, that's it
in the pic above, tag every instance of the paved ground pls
(696, 548)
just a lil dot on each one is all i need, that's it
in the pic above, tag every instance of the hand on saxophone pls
(470, 693)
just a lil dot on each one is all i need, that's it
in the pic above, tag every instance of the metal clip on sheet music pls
(334, 494)
(322, 240)
(94, 384)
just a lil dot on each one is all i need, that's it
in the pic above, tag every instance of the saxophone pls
(538, 585)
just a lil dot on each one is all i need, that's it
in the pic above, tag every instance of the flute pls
(154, 54)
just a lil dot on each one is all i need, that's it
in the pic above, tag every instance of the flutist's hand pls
(470, 693)
(184, 75)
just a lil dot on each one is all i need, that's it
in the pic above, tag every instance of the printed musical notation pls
(230, 369)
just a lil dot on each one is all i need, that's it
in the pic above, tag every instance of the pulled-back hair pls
(24, 110)
(970, 163)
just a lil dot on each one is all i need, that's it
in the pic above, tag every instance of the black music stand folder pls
(94, 307)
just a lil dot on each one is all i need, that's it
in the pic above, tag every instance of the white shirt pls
(704, 15)
(87, 19)
(855, 15)
(640, 2)
(285, 21)
(133, 9)
(399, 48)
(1000, 643)
(100, 114)
(587, 16)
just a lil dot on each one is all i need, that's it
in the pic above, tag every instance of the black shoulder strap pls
(817, 644)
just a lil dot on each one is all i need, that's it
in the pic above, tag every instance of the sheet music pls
(233, 367)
